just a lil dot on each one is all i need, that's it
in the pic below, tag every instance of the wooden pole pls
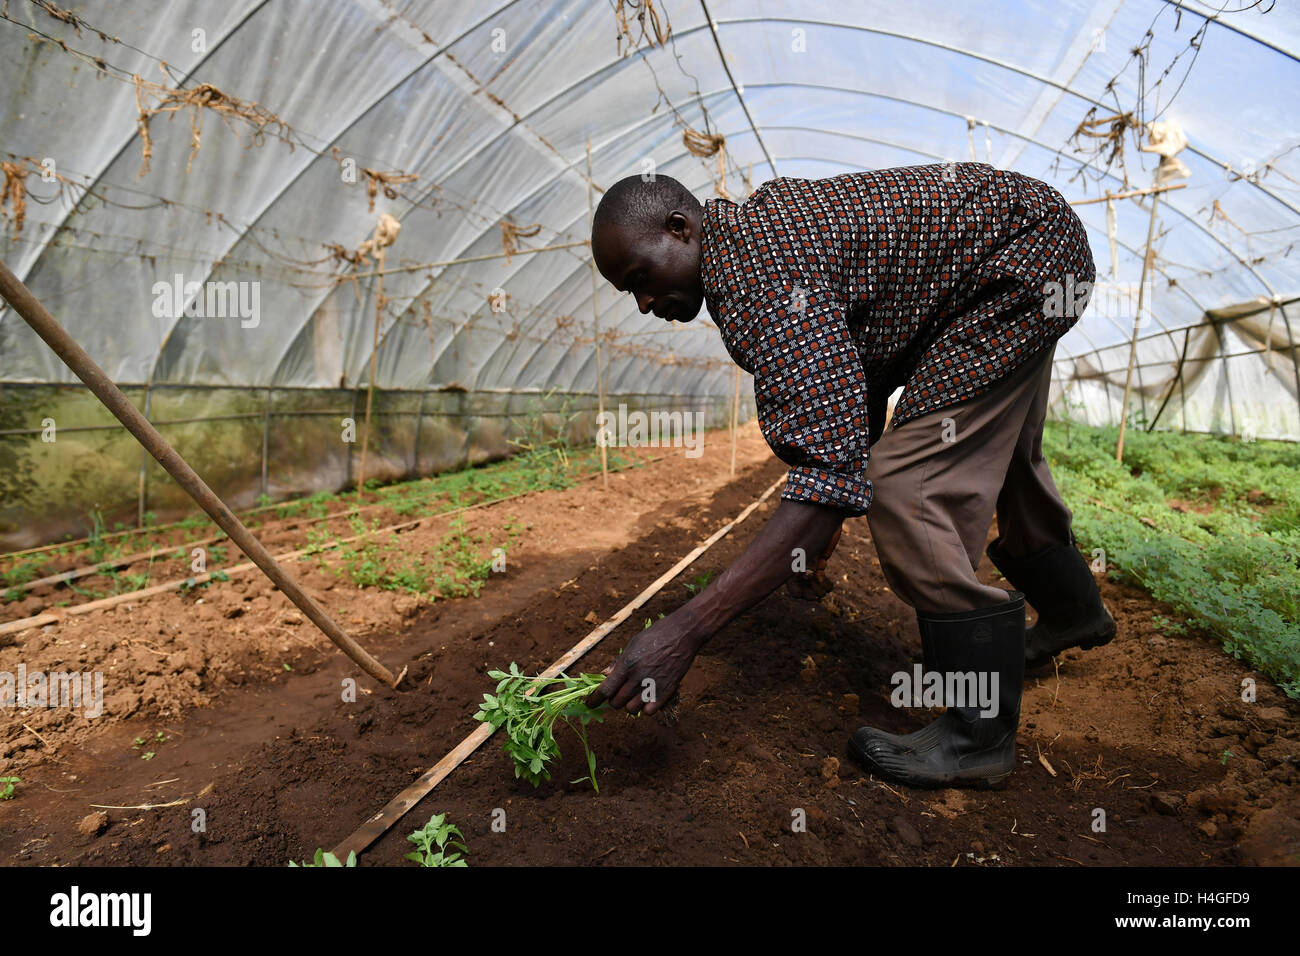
(374, 352)
(1149, 191)
(75, 357)
(1137, 322)
(595, 317)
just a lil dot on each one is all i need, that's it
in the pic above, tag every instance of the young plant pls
(433, 841)
(7, 787)
(327, 859)
(698, 583)
(529, 717)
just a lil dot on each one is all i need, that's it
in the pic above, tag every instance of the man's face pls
(659, 267)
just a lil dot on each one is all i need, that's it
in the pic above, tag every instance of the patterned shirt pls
(834, 292)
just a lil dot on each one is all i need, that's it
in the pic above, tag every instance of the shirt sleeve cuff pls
(821, 487)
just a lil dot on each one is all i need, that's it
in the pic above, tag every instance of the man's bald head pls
(643, 205)
(645, 237)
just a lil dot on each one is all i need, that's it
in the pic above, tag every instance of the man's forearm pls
(763, 567)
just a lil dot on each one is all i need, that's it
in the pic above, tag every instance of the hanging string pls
(1112, 225)
(705, 145)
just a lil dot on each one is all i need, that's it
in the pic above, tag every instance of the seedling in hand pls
(529, 717)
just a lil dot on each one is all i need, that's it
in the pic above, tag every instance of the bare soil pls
(1151, 729)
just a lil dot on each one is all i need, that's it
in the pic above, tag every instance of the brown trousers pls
(940, 477)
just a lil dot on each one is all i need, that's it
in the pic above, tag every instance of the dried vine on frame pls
(653, 32)
(511, 234)
(205, 96)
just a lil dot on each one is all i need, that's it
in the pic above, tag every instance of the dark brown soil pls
(1151, 729)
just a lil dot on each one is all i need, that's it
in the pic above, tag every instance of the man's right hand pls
(815, 584)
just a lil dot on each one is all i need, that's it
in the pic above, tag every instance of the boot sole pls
(1085, 644)
(962, 778)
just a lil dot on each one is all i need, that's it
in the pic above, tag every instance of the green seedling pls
(530, 718)
(1167, 626)
(190, 584)
(326, 858)
(433, 841)
(158, 738)
(7, 787)
(699, 582)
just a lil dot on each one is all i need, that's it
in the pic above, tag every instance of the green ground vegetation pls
(1208, 524)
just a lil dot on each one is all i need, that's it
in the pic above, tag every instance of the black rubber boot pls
(1059, 584)
(961, 748)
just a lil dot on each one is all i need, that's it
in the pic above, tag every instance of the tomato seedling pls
(529, 717)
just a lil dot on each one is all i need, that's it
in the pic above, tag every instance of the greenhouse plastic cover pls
(481, 114)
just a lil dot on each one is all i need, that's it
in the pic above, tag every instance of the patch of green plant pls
(97, 542)
(93, 594)
(1233, 571)
(21, 573)
(190, 585)
(7, 785)
(529, 719)
(319, 539)
(361, 559)
(434, 841)
(158, 738)
(1168, 626)
(464, 566)
(326, 858)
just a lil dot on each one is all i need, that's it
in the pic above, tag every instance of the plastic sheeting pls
(484, 110)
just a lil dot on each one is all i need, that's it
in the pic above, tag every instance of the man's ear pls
(678, 224)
